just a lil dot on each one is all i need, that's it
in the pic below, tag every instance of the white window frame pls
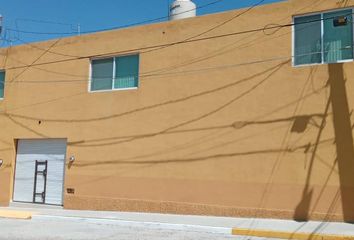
(322, 35)
(114, 74)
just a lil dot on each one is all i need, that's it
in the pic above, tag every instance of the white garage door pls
(28, 152)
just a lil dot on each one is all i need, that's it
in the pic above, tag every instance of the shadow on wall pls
(344, 148)
(343, 3)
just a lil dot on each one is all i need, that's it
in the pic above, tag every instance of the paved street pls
(57, 223)
(85, 229)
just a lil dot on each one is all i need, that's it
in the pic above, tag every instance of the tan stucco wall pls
(203, 134)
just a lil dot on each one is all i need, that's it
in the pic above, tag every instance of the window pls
(115, 73)
(323, 38)
(2, 84)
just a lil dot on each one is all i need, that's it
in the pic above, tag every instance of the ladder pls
(40, 182)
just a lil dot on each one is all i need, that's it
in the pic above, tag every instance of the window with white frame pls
(2, 83)
(323, 37)
(112, 73)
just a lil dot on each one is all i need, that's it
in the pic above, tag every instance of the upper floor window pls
(2, 84)
(323, 38)
(115, 73)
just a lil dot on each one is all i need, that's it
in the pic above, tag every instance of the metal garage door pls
(39, 174)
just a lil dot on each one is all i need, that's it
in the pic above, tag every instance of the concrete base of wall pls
(133, 205)
(4, 204)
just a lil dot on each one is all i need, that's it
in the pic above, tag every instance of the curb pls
(288, 235)
(15, 214)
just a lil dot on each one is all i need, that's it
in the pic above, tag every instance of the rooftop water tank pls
(180, 9)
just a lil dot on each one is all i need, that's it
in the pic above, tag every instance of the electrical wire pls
(213, 28)
(288, 57)
(169, 74)
(174, 43)
(48, 50)
(117, 27)
(229, 20)
(37, 59)
(268, 71)
(229, 47)
(85, 78)
(159, 70)
(189, 38)
(174, 73)
(43, 21)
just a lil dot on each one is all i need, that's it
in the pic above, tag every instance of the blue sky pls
(63, 16)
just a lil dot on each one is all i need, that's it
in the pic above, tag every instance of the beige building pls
(240, 113)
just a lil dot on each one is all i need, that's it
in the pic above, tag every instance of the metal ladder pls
(40, 181)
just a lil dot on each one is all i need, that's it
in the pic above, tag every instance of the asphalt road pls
(76, 229)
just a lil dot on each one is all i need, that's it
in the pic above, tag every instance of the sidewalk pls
(285, 229)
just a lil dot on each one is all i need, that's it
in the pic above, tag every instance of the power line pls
(85, 75)
(37, 59)
(277, 26)
(213, 28)
(48, 50)
(148, 47)
(68, 55)
(189, 38)
(168, 74)
(116, 27)
(175, 43)
(148, 74)
(231, 19)
(201, 59)
(42, 49)
(185, 98)
(44, 21)
(223, 49)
